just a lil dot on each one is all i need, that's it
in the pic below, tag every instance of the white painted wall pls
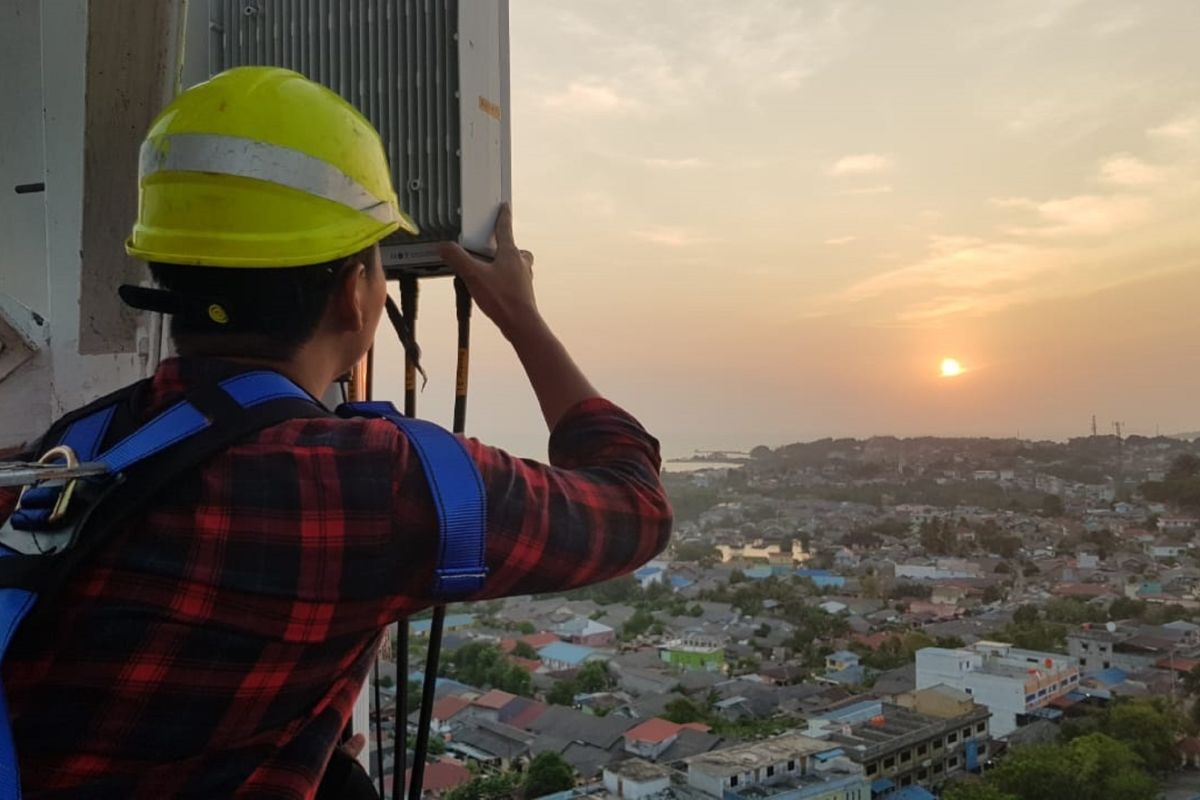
(43, 58)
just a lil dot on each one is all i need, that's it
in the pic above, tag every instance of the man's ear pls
(348, 304)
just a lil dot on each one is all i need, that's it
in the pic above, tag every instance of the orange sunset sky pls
(764, 222)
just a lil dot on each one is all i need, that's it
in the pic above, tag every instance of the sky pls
(769, 221)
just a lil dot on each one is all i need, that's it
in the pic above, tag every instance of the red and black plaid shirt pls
(216, 646)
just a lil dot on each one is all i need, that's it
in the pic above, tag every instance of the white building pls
(635, 779)
(789, 767)
(1011, 682)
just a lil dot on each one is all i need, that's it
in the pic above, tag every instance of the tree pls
(485, 665)
(974, 790)
(637, 624)
(1034, 636)
(502, 786)
(526, 628)
(737, 576)
(524, 650)
(701, 552)
(593, 677)
(1126, 608)
(1052, 506)
(1148, 727)
(548, 773)
(1025, 615)
(1092, 767)
(562, 693)
(682, 711)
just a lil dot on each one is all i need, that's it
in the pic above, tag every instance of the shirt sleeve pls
(596, 511)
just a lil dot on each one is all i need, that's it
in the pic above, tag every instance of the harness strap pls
(147, 462)
(152, 456)
(458, 495)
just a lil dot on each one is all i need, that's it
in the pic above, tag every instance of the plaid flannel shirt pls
(215, 647)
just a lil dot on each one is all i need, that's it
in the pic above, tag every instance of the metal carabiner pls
(64, 497)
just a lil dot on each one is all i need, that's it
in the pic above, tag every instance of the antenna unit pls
(431, 75)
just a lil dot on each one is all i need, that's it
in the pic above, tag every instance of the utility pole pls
(1093, 425)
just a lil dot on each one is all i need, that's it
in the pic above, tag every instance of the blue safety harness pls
(57, 523)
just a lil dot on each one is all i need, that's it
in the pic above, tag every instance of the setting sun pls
(951, 368)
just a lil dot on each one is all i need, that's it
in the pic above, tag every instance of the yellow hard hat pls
(261, 167)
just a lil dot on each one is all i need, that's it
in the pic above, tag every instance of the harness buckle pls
(63, 501)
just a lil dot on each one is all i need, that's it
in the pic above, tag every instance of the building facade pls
(790, 767)
(925, 738)
(1013, 683)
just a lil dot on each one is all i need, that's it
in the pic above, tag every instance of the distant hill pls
(1191, 437)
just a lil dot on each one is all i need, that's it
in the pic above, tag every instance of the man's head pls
(328, 310)
(263, 197)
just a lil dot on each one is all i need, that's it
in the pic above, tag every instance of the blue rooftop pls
(757, 573)
(913, 793)
(646, 572)
(829, 754)
(843, 655)
(805, 572)
(572, 654)
(680, 582)
(1109, 677)
(452, 621)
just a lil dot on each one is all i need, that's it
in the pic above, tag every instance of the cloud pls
(674, 163)
(672, 236)
(1081, 215)
(1178, 128)
(883, 188)
(1126, 170)
(956, 262)
(664, 56)
(585, 97)
(840, 240)
(863, 164)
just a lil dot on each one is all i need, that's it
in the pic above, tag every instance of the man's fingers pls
(504, 227)
(460, 262)
(354, 745)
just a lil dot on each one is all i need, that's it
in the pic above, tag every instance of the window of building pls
(771, 771)
(923, 774)
(937, 768)
(1107, 664)
(792, 766)
(922, 749)
(1029, 698)
(1083, 662)
(952, 762)
(952, 738)
(969, 690)
(1084, 647)
(980, 727)
(906, 756)
(872, 768)
(733, 780)
(889, 762)
(906, 780)
(966, 734)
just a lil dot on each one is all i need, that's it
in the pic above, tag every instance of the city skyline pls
(773, 222)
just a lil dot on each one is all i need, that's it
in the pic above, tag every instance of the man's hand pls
(503, 289)
(354, 745)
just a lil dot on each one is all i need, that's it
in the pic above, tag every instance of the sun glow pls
(951, 368)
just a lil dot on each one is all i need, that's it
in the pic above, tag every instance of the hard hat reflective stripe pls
(247, 158)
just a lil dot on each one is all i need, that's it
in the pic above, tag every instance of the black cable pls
(404, 320)
(437, 624)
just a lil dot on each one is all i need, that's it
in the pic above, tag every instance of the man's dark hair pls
(267, 312)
